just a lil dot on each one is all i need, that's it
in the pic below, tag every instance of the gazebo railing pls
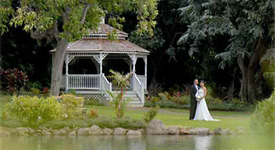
(138, 88)
(83, 81)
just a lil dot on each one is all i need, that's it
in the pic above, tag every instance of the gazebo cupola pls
(97, 47)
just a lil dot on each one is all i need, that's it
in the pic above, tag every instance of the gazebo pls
(98, 48)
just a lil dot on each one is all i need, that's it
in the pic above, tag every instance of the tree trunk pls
(57, 66)
(243, 91)
(259, 51)
(248, 83)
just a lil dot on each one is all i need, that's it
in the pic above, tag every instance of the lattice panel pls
(89, 97)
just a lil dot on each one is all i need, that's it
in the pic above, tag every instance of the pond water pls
(243, 142)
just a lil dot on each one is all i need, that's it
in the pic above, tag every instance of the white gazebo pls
(97, 47)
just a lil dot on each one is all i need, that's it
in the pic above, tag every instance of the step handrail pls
(106, 86)
(138, 88)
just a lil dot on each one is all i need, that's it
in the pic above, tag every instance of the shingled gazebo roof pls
(97, 41)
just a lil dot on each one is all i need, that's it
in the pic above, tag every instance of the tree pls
(64, 21)
(246, 25)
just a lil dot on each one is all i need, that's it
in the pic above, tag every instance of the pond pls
(137, 143)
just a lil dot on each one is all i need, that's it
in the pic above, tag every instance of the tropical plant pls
(118, 101)
(151, 114)
(15, 80)
(68, 20)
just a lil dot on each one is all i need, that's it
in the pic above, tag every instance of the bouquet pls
(199, 98)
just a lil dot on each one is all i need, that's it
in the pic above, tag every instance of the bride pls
(202, 112)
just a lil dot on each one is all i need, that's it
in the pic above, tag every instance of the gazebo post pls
(67, 73)
(100, 70)
(134, 60)
(145, 72)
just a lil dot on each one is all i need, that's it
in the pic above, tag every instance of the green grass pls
(230, 120)
(169, 116)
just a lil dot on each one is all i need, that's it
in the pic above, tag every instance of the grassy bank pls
(169, 116)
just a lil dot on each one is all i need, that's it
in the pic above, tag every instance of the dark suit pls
(193, 102)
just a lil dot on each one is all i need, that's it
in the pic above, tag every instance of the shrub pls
(263, 118)
(94, 102)
(14, 80)
(33, 110)
(71, 105)
(35, 91)
(93, 113)
(151, 114)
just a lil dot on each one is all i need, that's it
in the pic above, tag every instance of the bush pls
(14, 80)
(94, 102)
(33, 111)
(151, 114)
(263, 118)
(71, 105)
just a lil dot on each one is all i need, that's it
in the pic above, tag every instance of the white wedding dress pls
(202, 112)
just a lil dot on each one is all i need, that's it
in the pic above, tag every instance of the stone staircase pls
(134, 99)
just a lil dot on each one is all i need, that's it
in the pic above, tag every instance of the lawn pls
(230, 120)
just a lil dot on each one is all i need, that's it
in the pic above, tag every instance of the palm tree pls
(122, 82)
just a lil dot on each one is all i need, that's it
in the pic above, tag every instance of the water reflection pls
(128, 143)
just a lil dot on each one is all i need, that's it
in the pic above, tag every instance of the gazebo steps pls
(134, 100)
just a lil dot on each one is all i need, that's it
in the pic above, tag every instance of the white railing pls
(138, 88)
(142, 79)
(84, 81)
(106, 85)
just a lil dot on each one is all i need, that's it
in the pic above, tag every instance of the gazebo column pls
(134, 61)
(145, 72)
(68, 59)
(67, 73)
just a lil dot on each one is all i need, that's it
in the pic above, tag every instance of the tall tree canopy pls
(246, 27)
(67, 20)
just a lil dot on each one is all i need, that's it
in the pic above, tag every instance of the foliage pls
(35, 91)
(6, 11)
(118, 101)
(178, 100)
(93, 113)
(243, 21)
(151, 114)
(34, 111)
(92, 101)
(177, 97)
(232, 31)
(268, 67)
(80, 16)
(71, 105)
(15, 80)
(263, 119)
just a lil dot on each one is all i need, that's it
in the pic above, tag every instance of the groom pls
(193, 101)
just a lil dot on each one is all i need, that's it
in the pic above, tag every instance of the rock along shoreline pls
(155, 127)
